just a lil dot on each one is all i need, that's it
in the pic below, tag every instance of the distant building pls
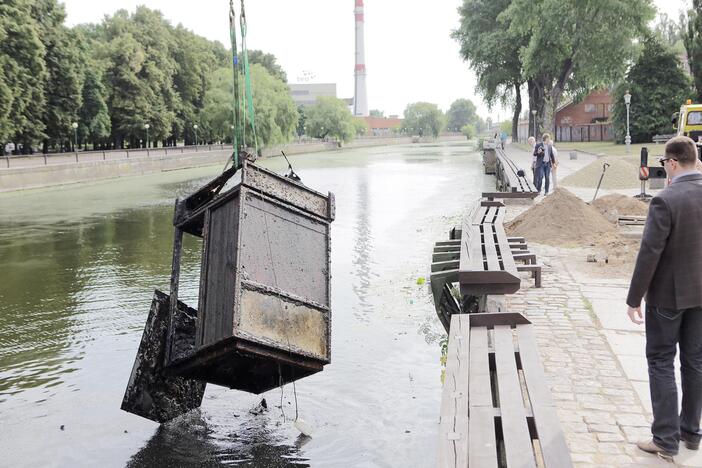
(382, 126)
(306, 94)
(586, 120)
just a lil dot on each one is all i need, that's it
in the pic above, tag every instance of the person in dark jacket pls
(544, 158)
(669, 272)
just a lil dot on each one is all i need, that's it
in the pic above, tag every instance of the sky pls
(410, 55)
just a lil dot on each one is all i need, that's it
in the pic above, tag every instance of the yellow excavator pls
(689, 121)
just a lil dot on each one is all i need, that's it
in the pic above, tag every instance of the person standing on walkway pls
(532, 142)
(545, 155)
(669, 272)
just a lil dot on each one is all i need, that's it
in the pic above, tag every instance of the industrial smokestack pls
(360, 98)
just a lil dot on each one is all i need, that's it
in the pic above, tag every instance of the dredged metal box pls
(264, 313)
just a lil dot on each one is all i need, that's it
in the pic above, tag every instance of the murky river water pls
(78, 270)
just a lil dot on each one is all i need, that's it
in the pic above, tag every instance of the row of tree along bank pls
(558, 49)
(134, 80)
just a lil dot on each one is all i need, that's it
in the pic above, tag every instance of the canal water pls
(79, 266)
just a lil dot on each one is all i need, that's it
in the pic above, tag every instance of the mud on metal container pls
(264, 313)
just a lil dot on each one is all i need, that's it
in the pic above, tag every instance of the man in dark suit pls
(669, 272)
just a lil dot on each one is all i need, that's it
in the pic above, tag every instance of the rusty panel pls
(284, 249)
(285, 189)
(151, 392)
(218, 281)
(282, 323)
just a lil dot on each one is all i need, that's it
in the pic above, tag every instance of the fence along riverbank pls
(39, 170)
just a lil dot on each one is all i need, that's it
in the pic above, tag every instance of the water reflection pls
(194, 441)
(80, 266)
(363, 247)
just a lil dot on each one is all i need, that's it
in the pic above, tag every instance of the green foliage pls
(269, 62)
(376, 113)
(469, 131)
(505, 126)
(658, 86)
(491, 47)
(331, 117)
(24, 75)
(276, 114)
(576, 45)
(423, 118)
(301, 120)
(94, 118)
(360, 125)
(461, 112)
(115, 77)
(693, 45)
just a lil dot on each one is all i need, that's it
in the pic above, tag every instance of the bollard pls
(7, 158)
(45, 163)
(127, 154)
(104, 156)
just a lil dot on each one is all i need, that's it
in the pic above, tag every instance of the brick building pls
(587, 120)
(382, 126)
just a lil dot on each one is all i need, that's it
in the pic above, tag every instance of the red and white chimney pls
(360, 98)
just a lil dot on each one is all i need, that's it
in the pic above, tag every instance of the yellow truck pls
(689, 121)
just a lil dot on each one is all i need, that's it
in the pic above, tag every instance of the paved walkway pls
(592, 354)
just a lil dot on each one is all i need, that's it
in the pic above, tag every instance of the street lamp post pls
(195, 127)
(533, 113)
(147, 126)
(75, 135)
(627, 140)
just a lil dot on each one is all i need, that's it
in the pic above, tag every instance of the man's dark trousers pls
(541, 173)
(665, 328)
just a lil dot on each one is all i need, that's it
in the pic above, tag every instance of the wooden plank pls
(471, 258)
(482, 448)
(453, 422)
(493, 261)
(494, 319)
(506, 251)
(515, 430)
(551, 438)
(479, 387)
(443, 266)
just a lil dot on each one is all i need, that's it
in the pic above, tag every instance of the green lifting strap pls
(247, 76)
(237, 134)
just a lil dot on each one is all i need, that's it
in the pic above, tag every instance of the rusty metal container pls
(264, 314)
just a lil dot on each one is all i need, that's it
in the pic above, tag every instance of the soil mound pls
(623, 172)
(613, 206)
(562, 219)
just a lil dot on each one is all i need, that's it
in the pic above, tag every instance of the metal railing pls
(105, 155)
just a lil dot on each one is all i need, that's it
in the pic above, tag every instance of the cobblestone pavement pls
(602, 411)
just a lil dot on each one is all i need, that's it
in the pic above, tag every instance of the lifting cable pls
(240, 64)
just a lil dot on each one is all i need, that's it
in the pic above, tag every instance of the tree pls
(461, 112)
(330, 116)
(94, 118)
(469, 131)
(276, 116)
(269, 62)
(575, 45)
(64, 60)
(658, 86)
(423, 118)
(301, 121)
(23, 77)
(492, 48)
(693, 45)
(376, 113)
(360, 125)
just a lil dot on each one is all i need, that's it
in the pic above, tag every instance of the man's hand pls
(635, 312)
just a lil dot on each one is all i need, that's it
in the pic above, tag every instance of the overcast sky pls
(409, 53)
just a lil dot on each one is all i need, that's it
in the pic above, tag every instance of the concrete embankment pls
(19, 173)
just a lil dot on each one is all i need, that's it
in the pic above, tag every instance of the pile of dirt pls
(613, 206)
(562, 219)
(622, 173)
